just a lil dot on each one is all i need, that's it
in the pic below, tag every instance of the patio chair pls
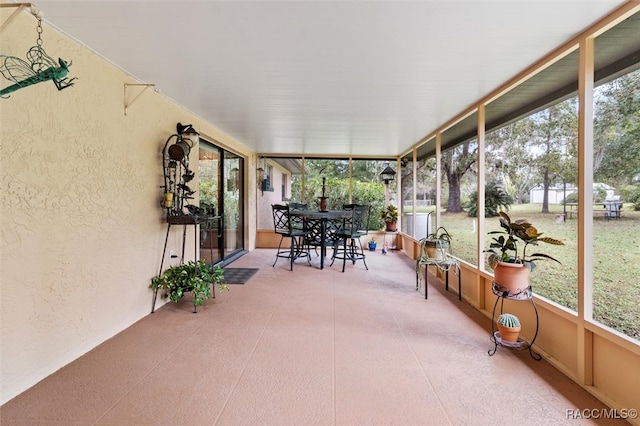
(297, 222)
(284, 226)
(347, 245)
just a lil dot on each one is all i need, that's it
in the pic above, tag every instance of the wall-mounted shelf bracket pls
(144, 86)
(19, 8)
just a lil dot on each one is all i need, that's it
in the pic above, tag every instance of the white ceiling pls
(324, 77)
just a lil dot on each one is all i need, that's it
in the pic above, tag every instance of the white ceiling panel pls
(324, 77)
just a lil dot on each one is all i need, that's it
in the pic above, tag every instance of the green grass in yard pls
(616, 260)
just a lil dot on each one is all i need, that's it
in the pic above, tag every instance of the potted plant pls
(372, 244)
(390, 216)
(194, 276)
(509, 258)
(437, 244)
(508, 327)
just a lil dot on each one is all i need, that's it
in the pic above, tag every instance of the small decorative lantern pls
(387, 174)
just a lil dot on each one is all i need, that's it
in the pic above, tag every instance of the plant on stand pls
(508, 327)
(435, 249)
(437, 244)
(194, 276)
(509, 259)
(390, 216)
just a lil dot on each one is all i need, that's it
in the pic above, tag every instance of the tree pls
(509, 159)
(617, 130)
(455, 163)
(554, 134)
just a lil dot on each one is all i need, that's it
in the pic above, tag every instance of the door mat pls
(238, 275)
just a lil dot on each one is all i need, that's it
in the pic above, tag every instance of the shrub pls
(495, 199)
(631, 194)
(572, 198)
(635, 199)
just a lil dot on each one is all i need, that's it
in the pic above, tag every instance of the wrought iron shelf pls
(184, 220)
(500, 291)
(520, 344)
(190, 219)
(523, 295)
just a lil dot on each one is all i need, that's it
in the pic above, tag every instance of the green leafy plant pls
(514, 239)
(495, 198)
(571, 198)
(634, 197)
(435, 246)
(389, 213)
(194, 276)
(441, 234)
(509, 320)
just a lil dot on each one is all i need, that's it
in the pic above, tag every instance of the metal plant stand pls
(444, 263)
(524, 295)
(184, 220)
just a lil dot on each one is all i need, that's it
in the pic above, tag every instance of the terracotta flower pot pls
(508, 334)
(513, 277)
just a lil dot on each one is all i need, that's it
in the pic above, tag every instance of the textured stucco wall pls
(81, 228)
(267, 198)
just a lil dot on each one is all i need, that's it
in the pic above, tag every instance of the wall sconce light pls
(266, 184)
(263, 179)
(234, 179)
(387, 174)
(261, 174)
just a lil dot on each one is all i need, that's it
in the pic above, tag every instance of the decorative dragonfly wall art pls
(37, 68)
(41, 67)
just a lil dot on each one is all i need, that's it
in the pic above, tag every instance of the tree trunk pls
(454, 205)
(545, 192)
(454, 166)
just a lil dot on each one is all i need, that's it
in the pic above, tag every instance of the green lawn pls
(616, 263)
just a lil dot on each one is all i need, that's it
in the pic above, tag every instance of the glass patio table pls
(318, 223)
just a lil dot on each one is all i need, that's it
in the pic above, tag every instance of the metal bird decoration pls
(194, 210)
(41, 67)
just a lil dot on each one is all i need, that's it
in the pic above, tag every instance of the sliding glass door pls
(220, 188)
(233, 219)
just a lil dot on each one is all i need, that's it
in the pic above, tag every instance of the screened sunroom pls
(526, 108)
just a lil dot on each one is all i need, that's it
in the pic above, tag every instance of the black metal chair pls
(314, 233)
(283, 224)
(310, 228)
(347, 245)
(297, 222)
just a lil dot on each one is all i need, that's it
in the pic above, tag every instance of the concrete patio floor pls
(307, 347)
